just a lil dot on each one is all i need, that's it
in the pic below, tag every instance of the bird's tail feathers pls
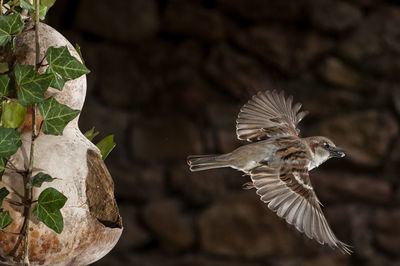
(206, 162)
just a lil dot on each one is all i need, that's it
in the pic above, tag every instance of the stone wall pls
(168, 79)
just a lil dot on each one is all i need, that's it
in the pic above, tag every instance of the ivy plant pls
(22, 88)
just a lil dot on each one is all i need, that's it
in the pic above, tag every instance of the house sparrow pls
(278, 162)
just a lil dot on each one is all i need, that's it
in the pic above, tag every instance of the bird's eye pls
(326, 145)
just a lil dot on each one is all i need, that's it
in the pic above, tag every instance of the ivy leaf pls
(53, 220)
(47, 3)
(13, 114)
(2, 167)
(78, 50)
(5, 219)
(9, 142)
(6, 85)
(10, 25)
(4, 67)
(51, 199)
(56, 116)
(39, 179)
(31, 85)
(47, 210)
(63, 63)
(3, 194)
(106, 145)
(31, 8)
(90, 134)
(57, 82)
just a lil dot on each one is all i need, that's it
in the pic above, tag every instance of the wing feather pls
(268, 114)
(288, 191)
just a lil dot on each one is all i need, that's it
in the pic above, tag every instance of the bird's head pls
(323, 149)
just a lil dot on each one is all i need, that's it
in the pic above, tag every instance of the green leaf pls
(9, 142)
(6, 85)
(2, 167)
(31, 85)
(10, 25)
(78, 50)
(56, 116)
(63, 63)
(47, 210)
(106, 145)
(5, 219)
(3, 194)
(53, 220)
(47, 3)
(90, 134)
(31, 8)
(37, 180)
(52, 199)
(13, 114)
(57, 82)
(3, 67)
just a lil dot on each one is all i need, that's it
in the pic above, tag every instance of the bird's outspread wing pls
(268, 114)
(288, 191)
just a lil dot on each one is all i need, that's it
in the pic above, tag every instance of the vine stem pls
(28, 191)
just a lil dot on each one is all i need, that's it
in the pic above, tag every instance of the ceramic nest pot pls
(92, 224)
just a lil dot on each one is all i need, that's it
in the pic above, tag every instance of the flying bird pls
(278, 162)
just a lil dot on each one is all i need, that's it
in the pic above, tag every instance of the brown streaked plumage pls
(278, 162)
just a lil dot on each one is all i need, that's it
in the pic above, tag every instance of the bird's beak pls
(336, 152)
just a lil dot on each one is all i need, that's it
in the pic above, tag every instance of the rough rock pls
(337, 73)
(331, 15)
(172, 229)
(233, 71)
(334, 186)
(364, 136)
(164, 139)
(138, 184)
(199, 187)
(374, 45)
(138, 21)
(267, 43)
(264, 10)
(189, 19)
(242, 226)
(134, 236)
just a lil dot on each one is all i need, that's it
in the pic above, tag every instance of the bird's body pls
(278, 162)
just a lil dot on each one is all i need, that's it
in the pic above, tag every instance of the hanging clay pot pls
(92, 224)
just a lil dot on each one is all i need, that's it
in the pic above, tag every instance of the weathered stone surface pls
(374, 44)
(331, 15)
(242, 226)
(386, 222)
(138, 21)
(102, 117)
(233, 71)
(309, 48)
(189, 19)
(364, 136)
(264, 10)
(267, 43)
(389, 243)
(164, 139)
(351, 224)
(197, 188)
(123, 74)
(134, 236)
(138, 183)
(336, 72)
(385, 219)
(334, 186)
(172, 229)
(327, 260)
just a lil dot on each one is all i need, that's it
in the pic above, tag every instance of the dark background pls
(168, 79)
